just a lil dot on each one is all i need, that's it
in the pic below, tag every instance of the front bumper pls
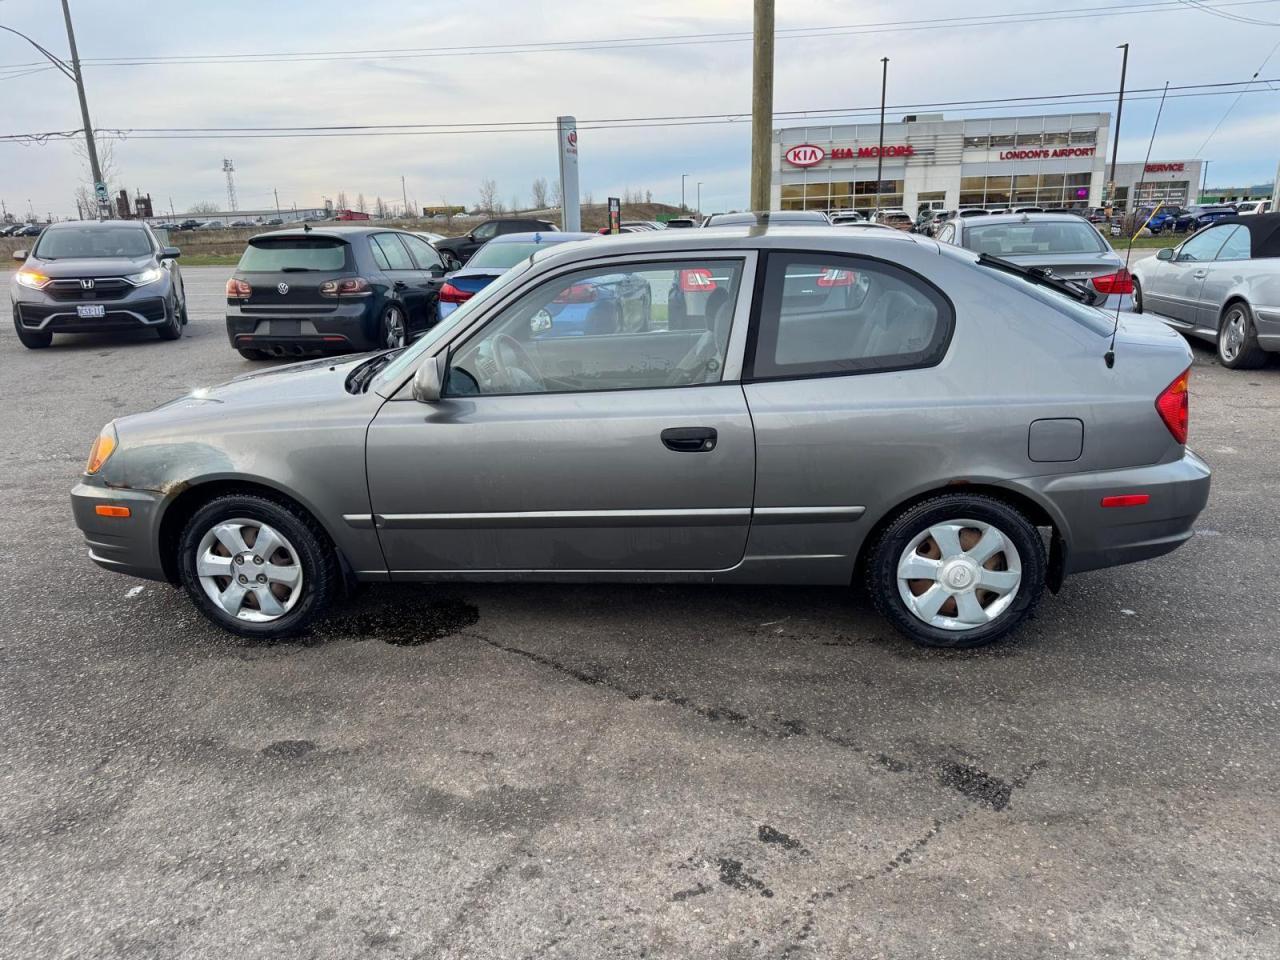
(62, 317)
(1097, 536)
(129, 545)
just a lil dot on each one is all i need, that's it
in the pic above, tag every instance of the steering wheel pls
(522, 369)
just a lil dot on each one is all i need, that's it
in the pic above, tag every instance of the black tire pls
(882, 569)
(1137, 296)
(1248, 355)
(250, 354)
(321, 576)
(32, 339)
(186, 318)
(171, 329)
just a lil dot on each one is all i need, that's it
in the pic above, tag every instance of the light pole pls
(884, 82)
(1115, 146)
(699, 206)
(1204, 183)
(73, 73)
(683, 176)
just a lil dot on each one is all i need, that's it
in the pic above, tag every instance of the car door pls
(614, 451)
(430, 277)
(477, 238)
(405, 278)
(1221, 274)
(1176, 290)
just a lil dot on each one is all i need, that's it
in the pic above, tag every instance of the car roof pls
(999, 218)
(64, 224)
(774, 216)
(338, 233)
(541, 236)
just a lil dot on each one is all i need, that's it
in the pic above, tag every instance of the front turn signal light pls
(103, 447)
(32, 279)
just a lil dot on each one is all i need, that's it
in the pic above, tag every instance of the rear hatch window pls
(294, 254)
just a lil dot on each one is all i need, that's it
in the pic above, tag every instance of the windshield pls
(503, 255)
(93, 241)
(393, 373)
(274, 254)
(1029, 239)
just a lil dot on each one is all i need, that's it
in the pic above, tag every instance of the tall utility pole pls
(276, 193)
(1115, 146)
(884, 82)
(1204, 183)
(699, 206)
(683, 177)
(762, 106)
(404, 195)
(90, 145)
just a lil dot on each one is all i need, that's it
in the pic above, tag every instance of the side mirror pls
(428, 382)
(20, 255)
(471, 236)
(1164, 253)
(170, 253)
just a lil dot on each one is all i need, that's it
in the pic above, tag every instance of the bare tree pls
(360, 204)
(556, 199)
(204, 208)
(648, 196)
(379, 208)
(342, 200)
(488, 195)
(515, 202)
(86, 198)
(587, 199)
(540, 193)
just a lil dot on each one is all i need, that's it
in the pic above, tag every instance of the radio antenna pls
(1110, 355)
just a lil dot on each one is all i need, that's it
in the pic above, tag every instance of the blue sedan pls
(493, 260)
(1196, 217)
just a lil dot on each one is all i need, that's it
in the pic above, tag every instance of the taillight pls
(1174, 406)
(238, 289)
(834, 277)
(697, 280)
(577, 293)
(1119, 282)
(346, 287)
(451, 294)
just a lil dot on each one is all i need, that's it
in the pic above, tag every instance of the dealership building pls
(1057, 160)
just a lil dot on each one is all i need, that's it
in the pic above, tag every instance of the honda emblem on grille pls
(282, 288)
(86, 284)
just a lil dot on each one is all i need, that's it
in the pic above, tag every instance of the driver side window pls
(1203, 246)
(486, 231)
(615, 327)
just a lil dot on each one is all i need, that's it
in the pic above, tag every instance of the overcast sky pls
(1176, 43)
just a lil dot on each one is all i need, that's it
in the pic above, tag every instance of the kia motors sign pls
(804, 155)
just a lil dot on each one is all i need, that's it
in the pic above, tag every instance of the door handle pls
(400, 285)
(1200, 274)
(690, 439)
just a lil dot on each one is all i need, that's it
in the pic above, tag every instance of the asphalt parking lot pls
(541, 770)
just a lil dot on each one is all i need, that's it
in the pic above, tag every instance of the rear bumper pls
(1097, 536)
(129, 545)
(345, 328)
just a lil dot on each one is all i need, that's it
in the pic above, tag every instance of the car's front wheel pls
(257, 567)
(958, 570)
(1238, 339)
(32, 339)
(171, 329)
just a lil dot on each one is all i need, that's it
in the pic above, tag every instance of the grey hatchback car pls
(845, 405)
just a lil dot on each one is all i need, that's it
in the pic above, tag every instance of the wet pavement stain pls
(734, 874)
(697, 891)
(767, 834)
(288, 749)
(408, 623)
(977, 785)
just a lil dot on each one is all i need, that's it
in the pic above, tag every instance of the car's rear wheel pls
(393, 332)
(257, 567)
(171, 329)
(1238, 339)
(31, 339)
(958, 570)
(1137, 296)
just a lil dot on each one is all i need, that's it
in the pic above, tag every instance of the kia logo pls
(804, 155)
(282, 288)
(86, 284)
(573, 138)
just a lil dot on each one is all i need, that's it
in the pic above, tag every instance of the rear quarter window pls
(273, 255)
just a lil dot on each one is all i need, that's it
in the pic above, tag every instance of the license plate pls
(88, 311)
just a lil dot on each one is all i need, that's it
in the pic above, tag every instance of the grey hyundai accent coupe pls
(825, 406)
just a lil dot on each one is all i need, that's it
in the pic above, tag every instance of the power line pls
(1223, 119)
(622, 43)
(1205, 8)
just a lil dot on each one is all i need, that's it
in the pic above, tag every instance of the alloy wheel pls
(393, 331)
(1234, 331)
(249, 570)
(959, 575)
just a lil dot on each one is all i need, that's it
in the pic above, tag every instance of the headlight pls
(103, 447)
(29, 278)
(149, 275)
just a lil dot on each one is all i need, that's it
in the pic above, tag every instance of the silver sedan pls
(1222, 285)
(805, 406)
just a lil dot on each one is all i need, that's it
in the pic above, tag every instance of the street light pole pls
(699, 206)
(682, 179)
(84, 107)
(884, 82)
(1115, 146)
(1204, 183)
(762, 105)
